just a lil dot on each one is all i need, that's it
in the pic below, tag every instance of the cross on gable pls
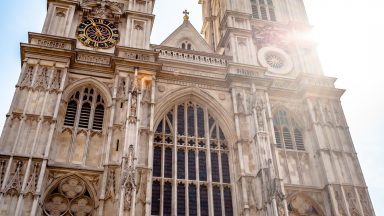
(186, 14)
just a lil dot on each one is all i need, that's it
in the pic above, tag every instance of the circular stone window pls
(275, 59)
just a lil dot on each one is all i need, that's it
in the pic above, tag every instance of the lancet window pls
(190, 162)
(287, 133)
(186, 45)
(85, 110)
(263, 9)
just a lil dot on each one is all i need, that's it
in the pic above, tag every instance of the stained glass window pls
(157, 161)
(203, 200)
(202, 166)
(155, 198)
(180, 199)
(192, 200)
(191, 165)
(167, 208)
(217, 200)
(183, 153)
(180, 164)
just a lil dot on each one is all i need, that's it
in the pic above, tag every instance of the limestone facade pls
(240, 122)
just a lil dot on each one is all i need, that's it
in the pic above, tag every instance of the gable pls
(186, 36)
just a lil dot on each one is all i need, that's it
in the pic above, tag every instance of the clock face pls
(98, 33)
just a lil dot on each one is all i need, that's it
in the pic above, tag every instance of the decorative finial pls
(186, 14)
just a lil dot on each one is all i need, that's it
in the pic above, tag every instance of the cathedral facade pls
(237, 120)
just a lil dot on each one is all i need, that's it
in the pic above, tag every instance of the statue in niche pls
(241, 107)
(260, 108)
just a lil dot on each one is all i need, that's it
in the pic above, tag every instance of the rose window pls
(274, 60)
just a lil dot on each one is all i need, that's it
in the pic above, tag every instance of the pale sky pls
(350, 39)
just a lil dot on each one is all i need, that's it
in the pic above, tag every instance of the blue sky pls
(350, 39)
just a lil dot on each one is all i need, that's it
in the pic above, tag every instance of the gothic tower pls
(241, 121)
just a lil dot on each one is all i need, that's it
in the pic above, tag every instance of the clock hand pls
(97, 29)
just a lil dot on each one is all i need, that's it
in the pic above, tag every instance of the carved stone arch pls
(300, 203)
(218, 112)
(55, 197)
(101, 87)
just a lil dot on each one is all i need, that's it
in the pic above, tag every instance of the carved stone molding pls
(95, 59)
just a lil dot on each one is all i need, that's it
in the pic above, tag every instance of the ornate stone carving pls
(41, 82)
(170, 54)
(81, 206)
(56, 80)
(352, 201)
(56, 205)
(70, 196)
(32, 181)
(72, 187)
(300, 205)
(128, 178)
(93, 59)
(61, 12)
(27, 77)
(111, 184)
(133, 109)
(51, 44)
(16, 180)
(139, 56)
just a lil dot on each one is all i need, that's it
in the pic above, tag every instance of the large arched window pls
(287, 133)
(190, 164)
(263, 9)
(85, 110)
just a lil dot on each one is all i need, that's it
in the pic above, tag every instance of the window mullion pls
(76, 125)
(79, 107)
(93, 107)
(174, 162)
(208, 161)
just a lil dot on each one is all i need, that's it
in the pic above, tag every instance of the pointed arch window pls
(287, 133)
(199, 173)
(85, 110)
(263, 9)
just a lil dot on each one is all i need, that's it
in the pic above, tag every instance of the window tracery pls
(85, 110)
(69, 197)
(200, 169)
(263, 9)
(287, 133)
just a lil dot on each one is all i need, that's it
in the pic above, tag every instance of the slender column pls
(239, 143)
(150, 150)
(107, 148)
(130, 136)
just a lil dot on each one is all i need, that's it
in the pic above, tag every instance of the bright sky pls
(350, 36)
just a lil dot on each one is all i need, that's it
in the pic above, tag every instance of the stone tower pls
(241, 121)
